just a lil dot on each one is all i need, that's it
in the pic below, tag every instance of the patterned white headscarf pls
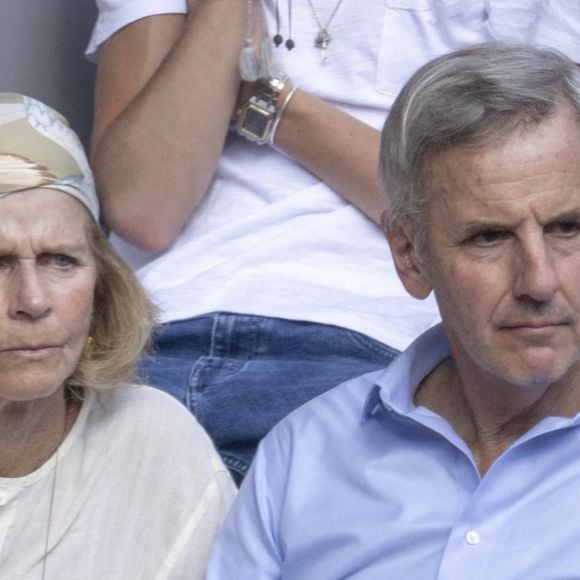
(39, 149)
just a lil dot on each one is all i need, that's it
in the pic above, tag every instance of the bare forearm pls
(336, 147)
(155, 152)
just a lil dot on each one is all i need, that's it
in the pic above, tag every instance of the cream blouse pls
(137, 490)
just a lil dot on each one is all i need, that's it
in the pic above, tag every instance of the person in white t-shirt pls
(99, 478)
(250, 209)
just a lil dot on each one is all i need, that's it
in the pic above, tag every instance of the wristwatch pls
(259, 113)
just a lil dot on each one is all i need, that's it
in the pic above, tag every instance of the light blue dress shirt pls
(362, 484)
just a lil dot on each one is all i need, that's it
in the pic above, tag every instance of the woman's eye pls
(61, 261)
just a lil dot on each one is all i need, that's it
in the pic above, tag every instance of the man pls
(461, 460)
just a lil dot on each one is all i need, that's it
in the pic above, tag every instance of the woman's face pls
(47, 282)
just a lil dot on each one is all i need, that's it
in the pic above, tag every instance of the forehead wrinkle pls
(36, 245)
(457, 182)
(502, 212)
(551, 145)
(516, 195)
(19, 230)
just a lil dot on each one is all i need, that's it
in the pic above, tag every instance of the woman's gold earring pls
(89, 346)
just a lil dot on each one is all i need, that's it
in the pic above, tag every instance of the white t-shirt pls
(270, 238)
(139, 493)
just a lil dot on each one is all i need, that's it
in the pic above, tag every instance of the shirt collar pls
(397, 384)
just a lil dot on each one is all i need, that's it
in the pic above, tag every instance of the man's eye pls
(564, 228)
(488, 237)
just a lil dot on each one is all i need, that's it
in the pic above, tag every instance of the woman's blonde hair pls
(122, 320)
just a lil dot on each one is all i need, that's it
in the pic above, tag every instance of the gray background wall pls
(41, 54)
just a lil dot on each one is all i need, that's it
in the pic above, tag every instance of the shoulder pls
(132, 396)
(154, 423)
(146, 408)
(150, 470)
(346, 400)
(333, 416)
(150, 437)
(300, 458)
(342, 421)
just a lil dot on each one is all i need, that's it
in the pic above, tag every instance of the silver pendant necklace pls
(323, 38)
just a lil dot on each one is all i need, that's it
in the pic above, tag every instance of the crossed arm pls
(167, 88)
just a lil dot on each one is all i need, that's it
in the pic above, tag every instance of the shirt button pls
(472, 537)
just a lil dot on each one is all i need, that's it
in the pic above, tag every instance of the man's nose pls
(536, 273)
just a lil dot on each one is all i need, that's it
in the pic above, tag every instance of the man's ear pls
(411, 270)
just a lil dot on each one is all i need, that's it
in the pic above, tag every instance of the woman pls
(98, 479)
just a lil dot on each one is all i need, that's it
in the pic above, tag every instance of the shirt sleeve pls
(174, 487)
(248, 546)
(115, 14)
(187, 557)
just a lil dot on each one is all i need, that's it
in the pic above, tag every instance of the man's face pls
(503, 253)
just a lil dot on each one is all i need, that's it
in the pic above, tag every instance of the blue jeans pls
(240, 374)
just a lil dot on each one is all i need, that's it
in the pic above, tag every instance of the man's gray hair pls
(467, 98)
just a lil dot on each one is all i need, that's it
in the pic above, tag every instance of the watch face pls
(256, 123)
